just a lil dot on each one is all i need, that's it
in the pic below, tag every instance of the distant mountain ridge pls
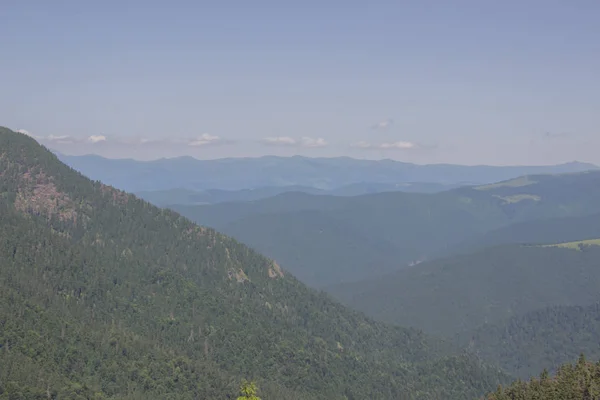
(180, 196)
(325, 240)
(272, 171)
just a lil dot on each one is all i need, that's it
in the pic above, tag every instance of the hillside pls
(579, 381)
(269, 171)
(337, 252)
(398, 228)
(545, 338)
(460, 293)
(104, 296)
(406, 228)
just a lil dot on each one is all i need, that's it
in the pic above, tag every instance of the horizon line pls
(389, 160)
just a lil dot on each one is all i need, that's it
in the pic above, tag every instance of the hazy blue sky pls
(495, 82)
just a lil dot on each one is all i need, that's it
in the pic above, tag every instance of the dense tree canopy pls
(104, 296)
(458, 294)
(580, 381)
(546, 338)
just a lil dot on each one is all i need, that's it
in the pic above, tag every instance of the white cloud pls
(97, 138)
(62, 139)
(279, 141)
(25, 132)
(313, 142)
(383, 124)
(304, 141)
(400, 145)
(204, 139)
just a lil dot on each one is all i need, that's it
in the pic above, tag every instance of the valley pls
(390, 200)
(387, 232)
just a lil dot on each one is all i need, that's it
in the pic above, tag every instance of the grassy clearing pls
(518, 197)
(517, 182)
(575, 245)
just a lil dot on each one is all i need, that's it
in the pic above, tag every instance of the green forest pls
(457, 294)
(328, 200)
(107, 296)
(545, 338)
(579, 381)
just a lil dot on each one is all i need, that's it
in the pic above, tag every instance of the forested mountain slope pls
(546, 338)
(404, 227)
(407, 227)
(104, 296)
(579, 381)
(358, 254)
(460, 293)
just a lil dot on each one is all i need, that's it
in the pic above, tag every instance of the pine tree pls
(248, 391)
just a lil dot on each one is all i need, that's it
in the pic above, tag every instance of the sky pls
(466, 82)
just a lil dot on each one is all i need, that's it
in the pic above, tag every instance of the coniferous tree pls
(248, 391)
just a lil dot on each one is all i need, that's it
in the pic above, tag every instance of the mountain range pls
(168, 197)
(327, 240)
(508, 270)
(432, 294)
(326, 174)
